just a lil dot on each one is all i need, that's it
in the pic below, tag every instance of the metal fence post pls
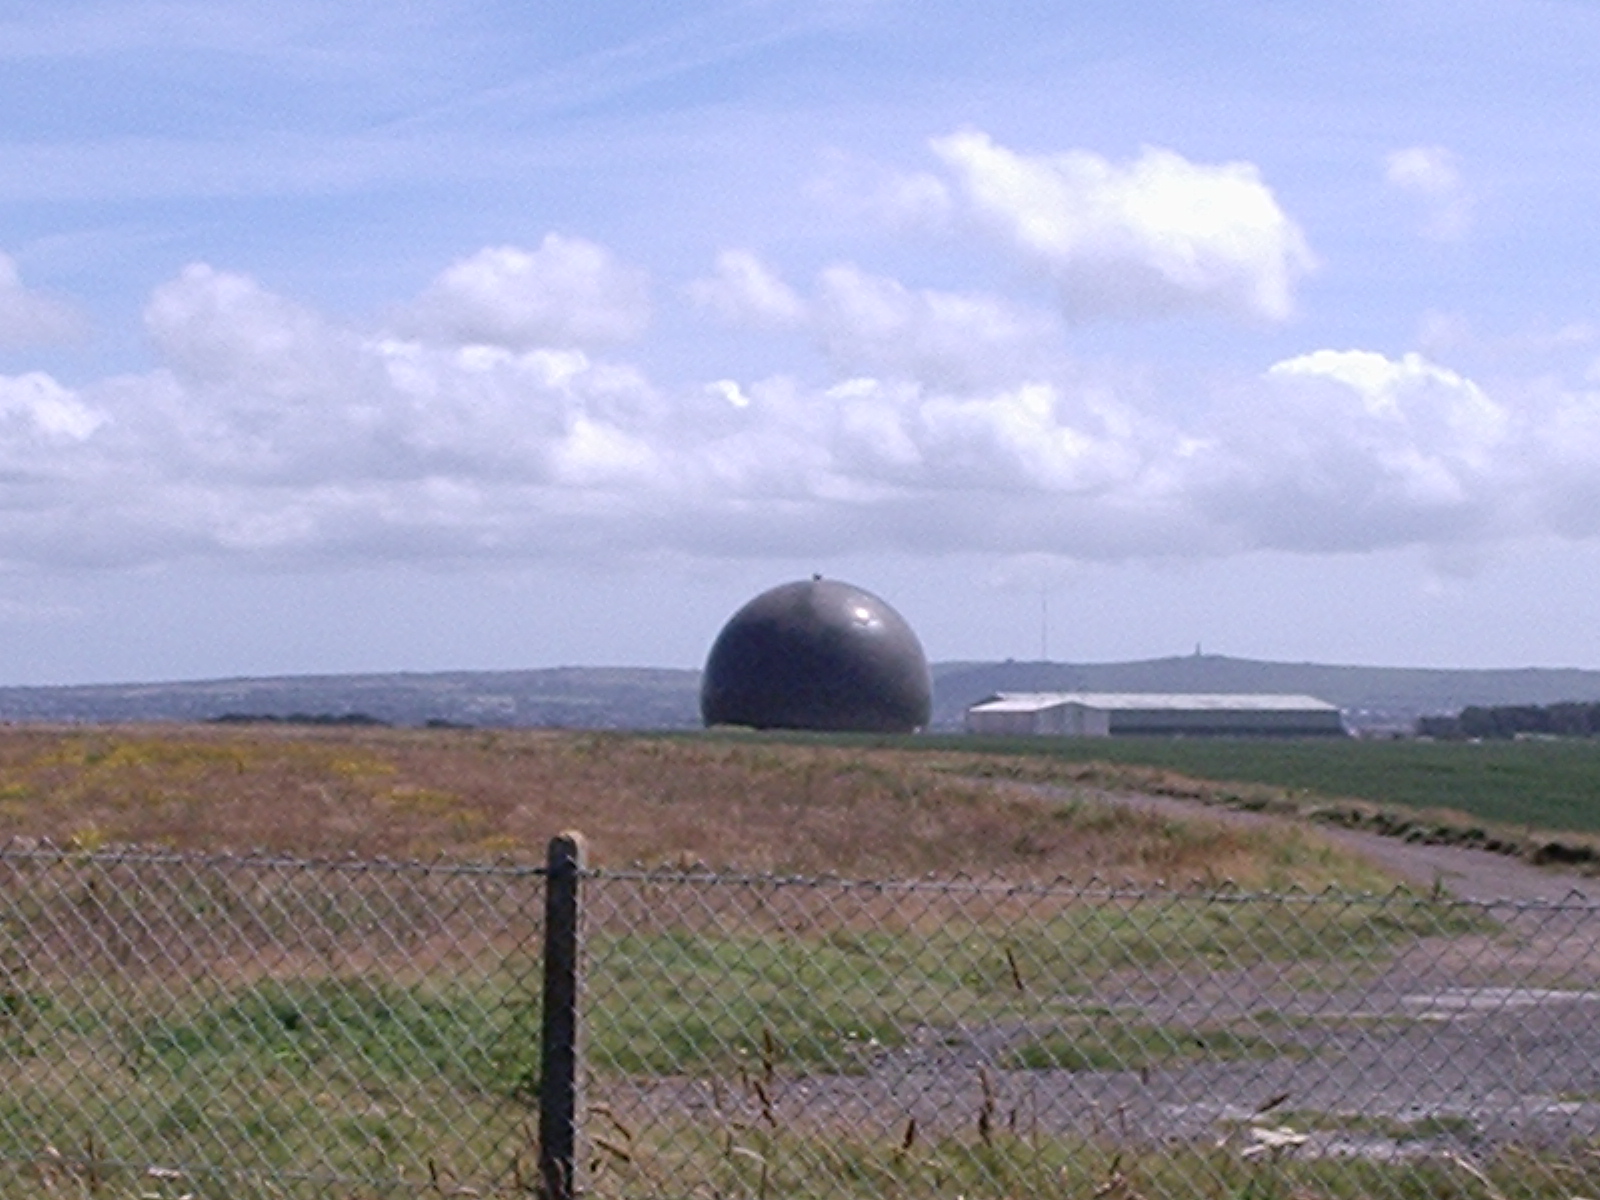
(561, 1051)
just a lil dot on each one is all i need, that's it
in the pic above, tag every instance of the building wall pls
(1003, 724)
(1060, 720)
(1228, 722)
(1078, 720)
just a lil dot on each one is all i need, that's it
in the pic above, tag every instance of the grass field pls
(750, 803)
(1543, 784)
(860, 806)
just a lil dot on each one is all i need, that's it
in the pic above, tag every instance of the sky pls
(471, 334)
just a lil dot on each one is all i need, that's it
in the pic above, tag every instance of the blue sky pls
(412, 337)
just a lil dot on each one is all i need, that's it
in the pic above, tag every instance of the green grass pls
(350, 1078)
(677, 1158)
(1543, 784)
(1546, 784)
(279, 1088)
(360, 1077)
(682, 1002)
(686, 1160)
(1106, 1044)
(384, 1075)
(473, 1040)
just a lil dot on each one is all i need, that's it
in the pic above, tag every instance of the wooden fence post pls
(560, 1049)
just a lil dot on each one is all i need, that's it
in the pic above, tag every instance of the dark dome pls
(820, 655)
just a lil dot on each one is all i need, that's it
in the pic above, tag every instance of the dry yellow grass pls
(748, 803)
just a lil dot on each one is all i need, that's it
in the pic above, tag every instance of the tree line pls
(1569, 718)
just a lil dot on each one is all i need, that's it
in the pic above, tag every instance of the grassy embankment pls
(1539, 799)
(848, 805)
(746, 803)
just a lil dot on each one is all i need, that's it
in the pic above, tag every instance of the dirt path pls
(1465, 873)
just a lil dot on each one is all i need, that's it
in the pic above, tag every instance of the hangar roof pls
(1173, 701)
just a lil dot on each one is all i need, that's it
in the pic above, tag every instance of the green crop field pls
(1538, 784)
(1543, 784)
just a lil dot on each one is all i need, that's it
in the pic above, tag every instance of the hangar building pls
(1110, 714)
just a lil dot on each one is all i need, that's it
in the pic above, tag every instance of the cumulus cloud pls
(1351, 450)
(744, 291)
(1155, 236)
(217, 327)
(35, 406)
(270, 432)
(864, 191)
(568, 292)
(1566, 457)
(30, 319)
(874, 325)
(867, 323)
(1432, 176)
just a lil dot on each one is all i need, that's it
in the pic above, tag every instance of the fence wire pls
(185, 1026)
(796, 1038)
(232, 1027)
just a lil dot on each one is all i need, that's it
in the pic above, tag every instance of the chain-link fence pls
(765, 1037)
(176, 1026)
(233, 1027)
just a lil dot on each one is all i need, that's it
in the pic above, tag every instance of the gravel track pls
(1463, 872)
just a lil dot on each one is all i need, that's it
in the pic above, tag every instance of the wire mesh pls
(244, 1027)
(175, 1025)
(795, 1038)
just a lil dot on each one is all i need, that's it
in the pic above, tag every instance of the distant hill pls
(564, 697)
(658, 698)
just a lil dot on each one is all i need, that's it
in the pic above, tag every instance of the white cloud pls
(568, 292)
(871, 325)
(1425, 170)
(863, 191)
(37, 405)
(271, 432)
(216, 327)
(867, 323)
(1029, 438)
(744, 291)
(30, 319)
(1155, 236)
(1566, 460)
(730, 391)
(1432, 175)
(1351, 450)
